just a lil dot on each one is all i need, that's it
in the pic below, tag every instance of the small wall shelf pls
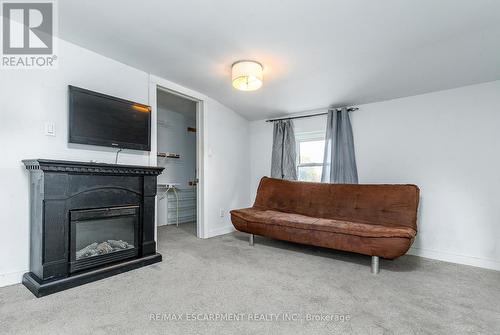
(168, 155)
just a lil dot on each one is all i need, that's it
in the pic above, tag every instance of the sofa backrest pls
(389, 205)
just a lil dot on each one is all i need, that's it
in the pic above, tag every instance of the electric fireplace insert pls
(103, 235)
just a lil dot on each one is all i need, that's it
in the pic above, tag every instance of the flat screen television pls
(100, 119)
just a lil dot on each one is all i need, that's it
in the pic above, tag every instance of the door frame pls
(157, 83)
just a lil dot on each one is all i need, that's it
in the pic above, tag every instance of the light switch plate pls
(50, 128)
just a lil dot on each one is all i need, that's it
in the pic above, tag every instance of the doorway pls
(177, 117)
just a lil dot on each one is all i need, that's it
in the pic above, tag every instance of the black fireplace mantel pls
(90, 167)
(58, 188)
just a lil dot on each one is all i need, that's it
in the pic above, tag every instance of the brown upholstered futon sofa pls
(374, 220)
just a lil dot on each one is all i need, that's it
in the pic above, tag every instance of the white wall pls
(448, 144)
(227, 167)
(28, 98)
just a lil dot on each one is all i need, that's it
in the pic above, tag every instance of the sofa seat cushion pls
(266, 216)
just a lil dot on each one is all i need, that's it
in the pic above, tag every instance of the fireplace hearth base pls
(46, 287)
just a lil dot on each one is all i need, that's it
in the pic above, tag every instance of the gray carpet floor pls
(272, 288)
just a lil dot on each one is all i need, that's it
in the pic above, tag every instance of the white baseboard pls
(220, 231)
(455, 258)
(12, 278)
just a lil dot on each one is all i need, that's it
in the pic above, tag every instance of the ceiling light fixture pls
(247, 75)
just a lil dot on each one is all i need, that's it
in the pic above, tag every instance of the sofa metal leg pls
(250, 239)
(375, 265)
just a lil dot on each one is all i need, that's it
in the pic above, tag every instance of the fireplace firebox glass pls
(103, 235)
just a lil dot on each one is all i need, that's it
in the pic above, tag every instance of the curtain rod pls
(349, 109)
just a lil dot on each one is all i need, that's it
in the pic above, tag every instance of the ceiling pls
(315, 52)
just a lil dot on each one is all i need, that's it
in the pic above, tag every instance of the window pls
(310, 151)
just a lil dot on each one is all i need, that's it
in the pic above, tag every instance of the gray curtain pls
(284, 157)
(339, 164)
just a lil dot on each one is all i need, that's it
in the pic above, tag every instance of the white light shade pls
(247, 75)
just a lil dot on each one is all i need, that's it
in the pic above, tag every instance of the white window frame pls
(307, 137)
